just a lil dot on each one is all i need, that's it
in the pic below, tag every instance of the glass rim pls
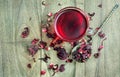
(58, 14)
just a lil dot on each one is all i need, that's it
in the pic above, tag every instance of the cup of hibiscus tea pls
(71, 24)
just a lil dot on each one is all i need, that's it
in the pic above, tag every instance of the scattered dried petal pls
(47, 48)
(25, 33)
(62, 68)
(43, 72)
(91, 14)
(82, 53)
(50, 14)
(55, 67)
(97, 55)
(51, 65)
(101, 34)
(100, 47)
(29, 66)
(42, 44)
(34, 41)
(59, 4)
(33, 49)
(62, 54)
(69, 61)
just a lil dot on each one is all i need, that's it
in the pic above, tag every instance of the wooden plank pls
(15, 16)
(91, 67)
(111, 64)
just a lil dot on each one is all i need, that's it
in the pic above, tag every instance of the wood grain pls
(14, 57)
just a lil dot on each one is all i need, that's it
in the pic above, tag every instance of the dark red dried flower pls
(97, 55)
(33, 49)
(69, 61)
(51, 65)
(50, 35)
(62, 54)
(25, 33)
(100, 47)
(29, 65)
(34, 41)
(101, 34)
(62, 68)
(42, 44)
(42, 72)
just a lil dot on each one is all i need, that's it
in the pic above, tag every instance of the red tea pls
(71, 24)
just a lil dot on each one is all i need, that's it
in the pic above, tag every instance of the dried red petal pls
(97, 55)
(101, 34)
(34, 41)
(43, 72)
(69, 61)
(62, 68)
(44, 29)
(100, 47)
(47, 48)
(33, 49)
(50, 14)
(51, 65)
(42, 44)
(29, 65)
(25, 33)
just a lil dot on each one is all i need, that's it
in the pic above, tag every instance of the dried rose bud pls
(25, 33)
(97, 55)
(44, 30)
(62, 68)
(43, 72)
(33, 49)
(29, 66)
(34, 41)
(51, 65)
(50, 14)
(42, 44)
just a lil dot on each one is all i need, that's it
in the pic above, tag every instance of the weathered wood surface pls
(15, 15)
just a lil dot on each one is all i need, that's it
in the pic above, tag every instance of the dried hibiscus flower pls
(25, 33)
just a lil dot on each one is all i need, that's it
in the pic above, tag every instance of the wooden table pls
(14, 57)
